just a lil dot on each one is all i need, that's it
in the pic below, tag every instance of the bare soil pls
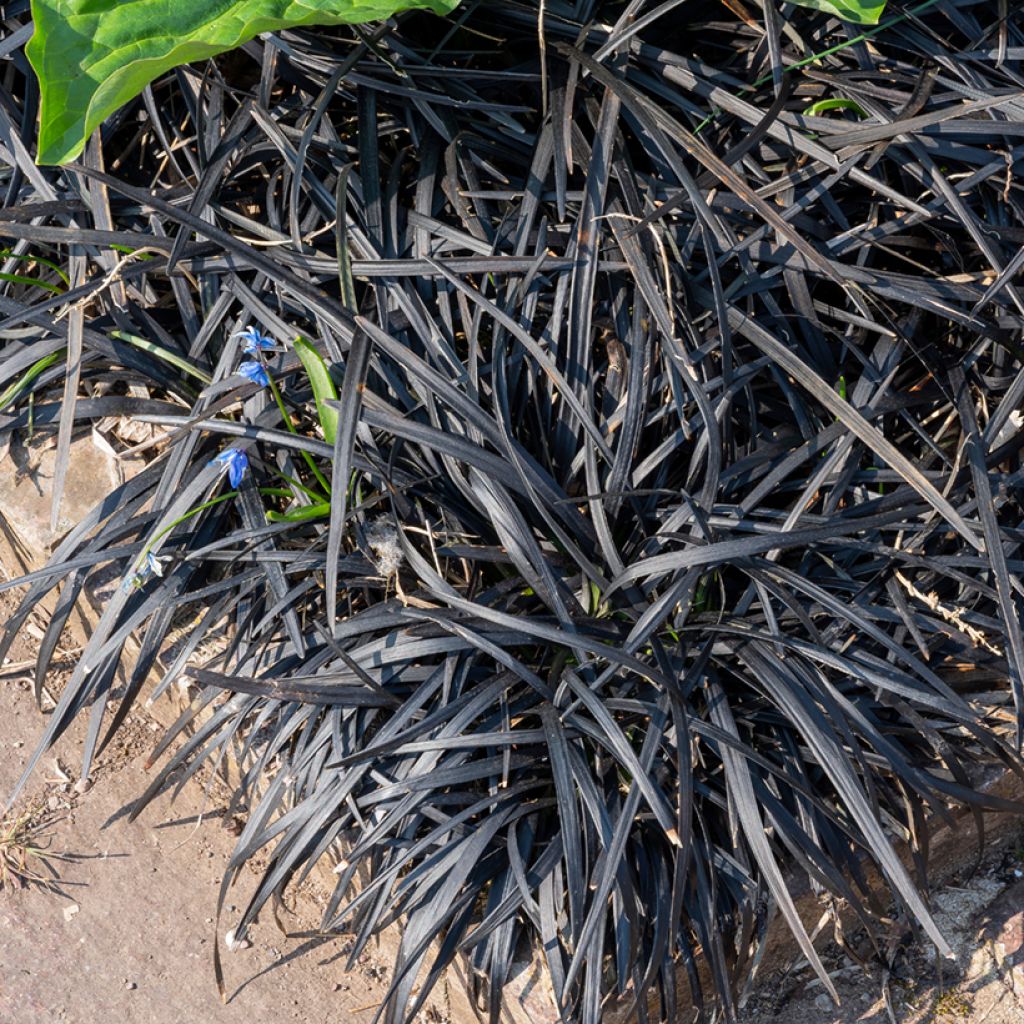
(131, 938)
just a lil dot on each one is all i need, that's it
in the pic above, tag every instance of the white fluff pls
(386, 547)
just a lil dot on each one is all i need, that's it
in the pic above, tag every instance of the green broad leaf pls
(322, 385)
(93, 56)
(861, 12)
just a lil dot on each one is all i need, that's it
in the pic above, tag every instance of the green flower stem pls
(157, 537)
(315, 496)
(277, 492)
(291, 427)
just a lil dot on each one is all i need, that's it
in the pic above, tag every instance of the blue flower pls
(235, 461)
(131, 582)
(254, 371)
(150, 566)
(254, 341)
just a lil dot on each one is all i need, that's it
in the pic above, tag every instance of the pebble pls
(234, 944)
(824, 1002)
(83, 785)
(130, 985)
(70, 911)
(17, 744)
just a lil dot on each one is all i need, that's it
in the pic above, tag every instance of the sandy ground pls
(131, 940)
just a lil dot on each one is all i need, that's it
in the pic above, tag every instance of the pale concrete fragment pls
(26, 488)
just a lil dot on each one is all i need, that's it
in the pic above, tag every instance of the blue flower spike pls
(235, 461)
(254, 342)
(254, 372)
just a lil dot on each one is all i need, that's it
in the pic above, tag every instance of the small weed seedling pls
(25, 856)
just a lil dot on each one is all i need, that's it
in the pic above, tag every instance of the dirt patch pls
(131, 939)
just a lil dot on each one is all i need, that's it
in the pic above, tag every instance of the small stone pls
(83, 785)
(70, 911)
(17, 744)
(131, 986)
(824, 1002)
(1010, 941)
(234, 944)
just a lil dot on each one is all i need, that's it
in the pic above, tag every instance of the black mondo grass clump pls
(636, 532)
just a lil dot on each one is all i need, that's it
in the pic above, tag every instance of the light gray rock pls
(26, 484)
